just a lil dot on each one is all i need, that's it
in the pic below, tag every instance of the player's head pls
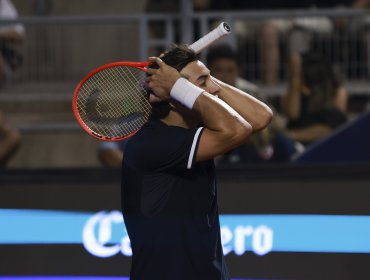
(178, 57)
(222, 60)
(184, 60)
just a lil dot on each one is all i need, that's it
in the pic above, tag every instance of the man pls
(110, 154)
(169, 194)
(11, 40)
(10, 141)
(223, 62)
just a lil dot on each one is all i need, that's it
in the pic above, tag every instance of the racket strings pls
(129, 121)
(113, 102)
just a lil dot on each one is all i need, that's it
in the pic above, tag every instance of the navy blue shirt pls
(169, 204)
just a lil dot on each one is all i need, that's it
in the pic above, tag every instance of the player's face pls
(198, 74)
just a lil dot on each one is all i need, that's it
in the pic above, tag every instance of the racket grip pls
(220, 31)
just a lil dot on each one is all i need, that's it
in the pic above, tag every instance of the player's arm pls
(224, 128)
(258, 114)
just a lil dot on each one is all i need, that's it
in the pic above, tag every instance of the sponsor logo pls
(103, 234)
(97, 237)
(260, 239)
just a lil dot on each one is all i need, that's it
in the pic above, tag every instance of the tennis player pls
(169, 191)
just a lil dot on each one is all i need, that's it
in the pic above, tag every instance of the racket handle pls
(220, 31)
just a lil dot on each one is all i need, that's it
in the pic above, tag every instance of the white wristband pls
(185, 92)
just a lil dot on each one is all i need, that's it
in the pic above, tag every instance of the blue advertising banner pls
(103, 233)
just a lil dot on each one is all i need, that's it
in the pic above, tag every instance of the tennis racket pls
(111, 102)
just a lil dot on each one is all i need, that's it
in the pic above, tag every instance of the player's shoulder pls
(154, 134)
(158, 130)
(156, 143)
(153, 130)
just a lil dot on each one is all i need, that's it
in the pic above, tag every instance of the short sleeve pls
(169, 148)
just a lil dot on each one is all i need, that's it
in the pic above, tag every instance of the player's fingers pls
(157, 60)
(151, 71)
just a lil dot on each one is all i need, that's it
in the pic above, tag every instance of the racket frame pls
(139, 65)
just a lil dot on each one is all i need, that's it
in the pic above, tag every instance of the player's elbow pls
(264, 118)
(239, 133)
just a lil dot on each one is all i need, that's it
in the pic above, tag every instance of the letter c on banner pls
(96, 245)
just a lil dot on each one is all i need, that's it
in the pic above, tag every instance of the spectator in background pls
(359, 27)
(224, 65)
(271, 144)
(110, 154)
(9, 141)
(271, 34)
(157, 28)
(316, 101)
(11, 39)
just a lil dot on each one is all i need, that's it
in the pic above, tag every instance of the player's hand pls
(161, 80)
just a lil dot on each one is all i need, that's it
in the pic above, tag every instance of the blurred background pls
(294, 200)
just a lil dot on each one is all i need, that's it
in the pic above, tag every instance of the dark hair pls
(221, 51)
(320, 78)
(178, 56)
